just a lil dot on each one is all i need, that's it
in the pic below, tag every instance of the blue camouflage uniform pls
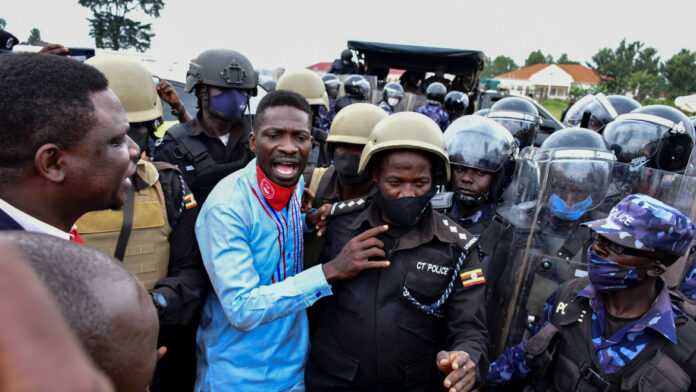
(325, 118)
(637, 222)
(435, 111)
(385, 106)
(688, 286)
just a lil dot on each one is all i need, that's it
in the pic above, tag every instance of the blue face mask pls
(562, 210)
(229, 105)
(607, 275)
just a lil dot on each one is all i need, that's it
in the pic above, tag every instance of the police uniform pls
(436, 112)
(381, 331)
(203, 160)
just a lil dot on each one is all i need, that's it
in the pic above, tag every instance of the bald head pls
(109, 311)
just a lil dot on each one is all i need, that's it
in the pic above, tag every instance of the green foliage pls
(555, 106)
(111, 28)
(680, 72)
(579, 92)
(536, 57)
(499, 65)
(34, 37)
(3, 23)
(563, 59)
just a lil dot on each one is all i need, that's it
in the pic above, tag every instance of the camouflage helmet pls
(133, 85)
(354, 124)
(306, 83)
(406, 130)
(222, 68)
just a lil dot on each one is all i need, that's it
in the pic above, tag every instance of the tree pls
(499, 65)
(3, 23)
(536, 57)
(112, 29)
(563, 59)
(680, 73)
(34, 37)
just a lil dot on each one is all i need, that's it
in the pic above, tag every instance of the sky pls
(298, 33)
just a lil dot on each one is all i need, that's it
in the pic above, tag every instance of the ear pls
(49, 162)
(252, 141)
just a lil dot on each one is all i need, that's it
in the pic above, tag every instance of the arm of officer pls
(224, 238)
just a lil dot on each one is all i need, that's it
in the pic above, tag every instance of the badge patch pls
(472, 278)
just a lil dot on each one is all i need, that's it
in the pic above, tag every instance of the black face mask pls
(469, 200)
(406, 211)
(347, 170)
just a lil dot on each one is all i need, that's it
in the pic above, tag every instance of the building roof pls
(579, 73)
(320, 67)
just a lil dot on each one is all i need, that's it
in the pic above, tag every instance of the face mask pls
(229, 105)
(470, 201)
(607, 275)
(562, 210)
(347, 169)
(392, 101)
(406, 211)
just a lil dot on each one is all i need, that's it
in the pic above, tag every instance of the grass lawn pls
(555, 106)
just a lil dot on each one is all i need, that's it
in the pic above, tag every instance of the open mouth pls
(285, 169)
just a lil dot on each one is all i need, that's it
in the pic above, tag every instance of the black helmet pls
(436, 91)
(346, 56)
(576, 168)
(392, 90)
(332, 84)
(483, 144)
(456, 102)
(519, 116)
(623, 104)
(574, 138)
(592, 112)
(655, 136)
(357, 86)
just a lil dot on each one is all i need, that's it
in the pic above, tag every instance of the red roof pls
(579, 73)
(320, 67)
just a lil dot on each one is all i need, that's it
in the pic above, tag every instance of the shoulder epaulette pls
(461, 236)
(348, 206)
(442, 201)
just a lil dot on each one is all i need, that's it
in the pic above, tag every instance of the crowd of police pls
(333, 244)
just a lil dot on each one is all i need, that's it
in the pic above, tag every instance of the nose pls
(407, 190)
(467, 176)
(133, 149)
(287, 146)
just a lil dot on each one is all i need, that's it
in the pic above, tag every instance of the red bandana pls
(276, 195)
(75, 236)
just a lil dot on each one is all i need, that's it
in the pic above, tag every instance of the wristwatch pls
(159, 300)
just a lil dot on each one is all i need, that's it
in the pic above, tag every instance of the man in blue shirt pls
(619, 329)
(253, 334)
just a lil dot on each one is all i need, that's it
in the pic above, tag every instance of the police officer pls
(482, 155)
(617, 329)
(309, 85)
(357, 89)
(435, 93)
(215, 143)
(519, 116)
(153, 234)
(456, 104)
(341, 181)
(655, 136)
(392, 95)
(596, 111)
(345, 65)
(394, 329)
(333, 86)
(567, 181)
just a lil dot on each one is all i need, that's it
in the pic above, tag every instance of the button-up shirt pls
(29, 223)
(613, 352)
(253, 334)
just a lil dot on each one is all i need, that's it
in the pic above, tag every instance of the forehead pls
(285, 118)
(109, 112)
(406, 160)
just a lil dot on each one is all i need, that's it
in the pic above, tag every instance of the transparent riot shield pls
(552, 194)
(374, 96)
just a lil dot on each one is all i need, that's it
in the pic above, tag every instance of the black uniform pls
(338, 67)
(185, 287)
(203, 160)
(381, 331)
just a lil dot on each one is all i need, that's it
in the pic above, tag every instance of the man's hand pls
(168, 94)
(355, 254)
(57, 49)
(459, 368)
(319, 219)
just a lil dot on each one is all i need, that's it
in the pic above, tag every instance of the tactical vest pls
(563, 358)
(147, 254)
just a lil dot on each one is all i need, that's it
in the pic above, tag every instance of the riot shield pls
(375, 94)
(553, 192)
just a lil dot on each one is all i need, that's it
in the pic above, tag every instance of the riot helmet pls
(655, 136)
(591, 112)
(222, 68)
(356, 86)
(392, 94)
(519, 116)
(332, 85)
(479, 143)
(576, 169)
(623, 104)
(456, 103)
(306, 83)
(346, 56)
(436, 91)
(483, 112)
(410, 131)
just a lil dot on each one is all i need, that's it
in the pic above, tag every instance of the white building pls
(548, 81)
